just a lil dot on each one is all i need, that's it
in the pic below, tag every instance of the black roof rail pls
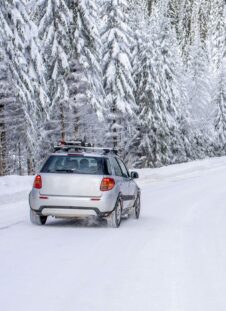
(83, 147)
(74, 143)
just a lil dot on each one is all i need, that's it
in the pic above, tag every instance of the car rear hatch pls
(75, 176)
(71, 185)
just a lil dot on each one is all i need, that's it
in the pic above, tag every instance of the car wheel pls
(136, 208)
(114, 220)
(37, 219)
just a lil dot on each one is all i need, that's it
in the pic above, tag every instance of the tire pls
(37, 219)
(136, 208)
(114, 220)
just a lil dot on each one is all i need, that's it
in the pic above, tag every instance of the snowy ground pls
(172, 259)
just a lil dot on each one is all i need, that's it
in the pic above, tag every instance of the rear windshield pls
(76, 165)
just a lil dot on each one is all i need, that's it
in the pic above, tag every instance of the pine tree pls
(151, 5)
(141, 147)
(185, 33)
(220, 102)
(173, 13)
(12, 116)
(118, 80)
(219, 64)
(159, 96)
(204, 15)
(22, 52)
(53, 19)
(216, 33)
(138, 20)
(85, 81)
(199, 90)
(199, 86)
(171, 93)
(4, 98)
(185, 16)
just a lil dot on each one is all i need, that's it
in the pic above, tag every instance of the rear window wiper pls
(65, 171)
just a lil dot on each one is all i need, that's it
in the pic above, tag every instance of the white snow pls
(172, 259)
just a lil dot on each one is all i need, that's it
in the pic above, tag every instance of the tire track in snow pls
(11, 225)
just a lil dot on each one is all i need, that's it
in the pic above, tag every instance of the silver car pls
(77, 182)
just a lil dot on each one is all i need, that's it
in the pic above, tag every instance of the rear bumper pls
(70, 212)
(60, 206)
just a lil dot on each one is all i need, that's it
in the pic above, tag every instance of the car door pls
(122, 180)
(129, 197)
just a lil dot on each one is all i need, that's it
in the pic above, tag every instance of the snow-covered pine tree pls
(11, 115)
(185, 34)
(145, 141)
(219, 100)
(171, 92)
(184, 16)
(151, 5)
(204, 15)
(193, 41)
(53, 19)
(216, 33)
(199, 91)
(159, 96)
(5, 95)
(138, 21)
(149, 149)
(85, 81)
(219, 94)
(118, 79)
(22, 53)
(173, 12)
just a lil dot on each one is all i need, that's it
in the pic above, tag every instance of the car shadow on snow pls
(77, 223)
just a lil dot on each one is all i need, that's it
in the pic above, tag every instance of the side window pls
(123, 168)
(107, 167)
(117, 168)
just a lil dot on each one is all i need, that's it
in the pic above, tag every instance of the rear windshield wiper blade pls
(65, 171)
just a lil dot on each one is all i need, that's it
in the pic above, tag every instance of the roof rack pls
(80, 146)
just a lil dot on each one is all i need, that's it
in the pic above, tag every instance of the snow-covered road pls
(172, 259)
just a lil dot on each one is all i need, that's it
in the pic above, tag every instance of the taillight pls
(107, 184)
(38, 182)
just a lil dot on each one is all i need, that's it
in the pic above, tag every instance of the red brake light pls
(107, 184)
(38, 182)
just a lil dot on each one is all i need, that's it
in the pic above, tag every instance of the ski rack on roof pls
(80, 146)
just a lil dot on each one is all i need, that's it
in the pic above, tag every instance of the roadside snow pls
(13, 184)
(172, 259)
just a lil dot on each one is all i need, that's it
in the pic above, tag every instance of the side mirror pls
(134, 175)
